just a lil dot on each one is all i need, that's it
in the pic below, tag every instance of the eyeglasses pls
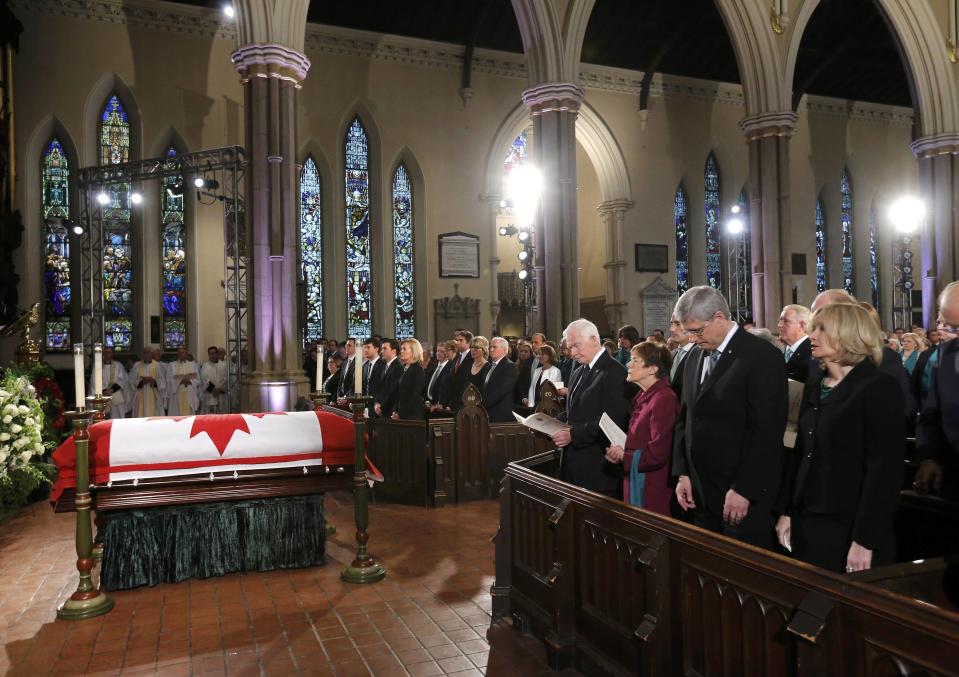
(698, 332)
(948, 328)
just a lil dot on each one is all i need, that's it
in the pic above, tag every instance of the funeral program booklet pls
(615, 434)
(542, 423)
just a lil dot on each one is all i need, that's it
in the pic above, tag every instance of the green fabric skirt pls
(169, 545)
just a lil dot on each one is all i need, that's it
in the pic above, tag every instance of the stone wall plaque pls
(659, 299)
(459, 255)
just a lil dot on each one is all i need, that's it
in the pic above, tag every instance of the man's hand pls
(684, 493)
(377, 409)
(562, 438)
(395, 416)
(784, 532)
(735, 508)
(858, 559)
(928, 476)
(614, 454)
(562, 392)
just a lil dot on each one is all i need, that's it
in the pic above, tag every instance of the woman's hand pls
(525, 402)
(858, 559)
(614, 454)
(395, 416)
(784, 532)
(562, 392)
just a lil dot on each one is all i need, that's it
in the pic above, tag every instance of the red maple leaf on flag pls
(220, 428)
(269, 413)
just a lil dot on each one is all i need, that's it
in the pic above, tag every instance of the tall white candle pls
(357, 373)
(97, 368)
(78, 375)
(319, 369)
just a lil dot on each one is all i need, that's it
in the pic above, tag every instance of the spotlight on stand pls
(175, 190)
(523, 235)
(199, 182)
(734, 226)
(73, 227)
(907, 214)
(506, 231)
(136, 198)
(523, 274)
(103, 198)
(228, 11)
(523, 255)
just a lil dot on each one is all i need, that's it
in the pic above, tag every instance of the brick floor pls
(431, 616)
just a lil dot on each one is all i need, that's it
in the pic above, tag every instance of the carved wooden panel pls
(443, 466)
(549, 402)
(533, 549)
(399, 450)
(508, 442)
(472, 447)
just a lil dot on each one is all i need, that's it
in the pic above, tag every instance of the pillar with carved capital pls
(492, 201)
(939, 186)
(768, 137)
(554, 107)
(613, 214)
(271, 76)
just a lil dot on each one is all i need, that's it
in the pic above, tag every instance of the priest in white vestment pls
(183, 386)
(115, 385)
(213, 377)
(149, 381)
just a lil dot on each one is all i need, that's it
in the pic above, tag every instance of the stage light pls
(523, 274)
(735, 209)
(136, 198)
(502, 204)
(907, 213)
(74, 227)
(228, 11)
(175, 190)
(502, 230)
(524, 186)
(523, 255)
(103, 198)
(734, 226)
(523, 235)
(199, 182)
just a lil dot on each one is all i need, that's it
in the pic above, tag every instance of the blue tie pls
(789, 354)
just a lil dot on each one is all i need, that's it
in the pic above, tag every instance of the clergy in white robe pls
(183, 386)
(213, 377)
(115, 385)
(149, 380)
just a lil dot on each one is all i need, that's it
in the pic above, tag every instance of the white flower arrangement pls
(20, 425)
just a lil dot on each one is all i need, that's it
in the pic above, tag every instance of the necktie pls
(579, 382)
(709, 364)
(680, 356)
(490, 372)
(436, 372)
(789, 354)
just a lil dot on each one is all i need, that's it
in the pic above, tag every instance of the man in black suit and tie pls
(793, 323)
(462, 363)
(347, 381)
(500, 382)
(372, 369)
(439, 384)
(937, 435)
(727, 451)
(597, 386)
(388, 393)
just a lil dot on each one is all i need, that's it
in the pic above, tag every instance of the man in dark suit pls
(372, 369)
(347, 380)
(462, 363)
(729, 433)
(500, 382)
(438, 385)
(793, 327)
(683, 346)
(388, 394)
(598, 386)
(937, 436)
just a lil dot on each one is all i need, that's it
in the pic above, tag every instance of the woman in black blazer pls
(842, 483)
(411, 405)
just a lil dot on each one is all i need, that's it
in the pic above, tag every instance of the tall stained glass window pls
(117, 249)
(873, 259)
(682, 242)
(714, 244)
(311, 249)
(55, 197)
(358, 302)
(403, 253)
(518, 153)
(820, 246)
(845, 190)
(173, 249)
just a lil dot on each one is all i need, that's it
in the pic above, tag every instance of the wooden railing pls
(614, 589)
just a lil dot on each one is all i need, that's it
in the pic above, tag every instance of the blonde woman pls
(479, 351)
(842, 484)
(411, 405)
(911, 347)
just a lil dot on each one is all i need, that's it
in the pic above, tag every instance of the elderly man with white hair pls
(793, 327)
(728, 446)
(597, 386)
(500, 382)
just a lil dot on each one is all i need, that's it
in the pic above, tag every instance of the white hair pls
(950, 291)
(803, 314)
(583, 327)
(700, 303)
(501, 340)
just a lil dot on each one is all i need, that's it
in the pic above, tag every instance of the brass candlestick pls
(319, 398)
(99, 404)
(87, 601)
(364, 568)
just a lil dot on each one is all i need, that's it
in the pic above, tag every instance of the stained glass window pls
(873, 259)
(173, 249)
(117, 250)
(518, 153)
(845, 190)
(682, 243)
(358, 302)
(714, 250)
(55, 196)
(820, 246)
(311, 249)
(403, 253)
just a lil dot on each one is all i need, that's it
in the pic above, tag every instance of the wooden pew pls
(618, 590)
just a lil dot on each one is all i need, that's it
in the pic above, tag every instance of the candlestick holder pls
(319, 398)
(87, 601)
(364, 568)
(98, 404)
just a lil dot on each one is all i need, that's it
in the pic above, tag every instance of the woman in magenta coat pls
(649, 440)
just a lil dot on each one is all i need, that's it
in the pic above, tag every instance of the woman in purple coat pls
(649, 441)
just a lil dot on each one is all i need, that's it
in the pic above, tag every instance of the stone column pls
(614, 215)
(554, 107)
(768, 137)
(939, 240)
(271, 75)
(492, 202)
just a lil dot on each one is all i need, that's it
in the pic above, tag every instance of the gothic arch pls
(107, 84)
(922, 44)
(552, 43)
(591, 131)
(169, 136)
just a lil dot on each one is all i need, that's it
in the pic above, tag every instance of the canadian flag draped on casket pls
(173, 446)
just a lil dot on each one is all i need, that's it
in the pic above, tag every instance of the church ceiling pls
(847, 50)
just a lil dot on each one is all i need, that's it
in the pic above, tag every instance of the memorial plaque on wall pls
(652, 258)
(459, 255)
(658, 302)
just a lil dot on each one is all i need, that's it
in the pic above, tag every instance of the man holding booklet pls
(597, 386)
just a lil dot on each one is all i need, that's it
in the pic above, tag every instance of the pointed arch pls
(170, 136)
(681, 222)
(846, 229)
(105, 86)
(408, 213)
(713, 210)
(359, 227)
(819, 223)
(311, 248)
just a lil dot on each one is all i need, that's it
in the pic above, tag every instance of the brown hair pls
(654, 354)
